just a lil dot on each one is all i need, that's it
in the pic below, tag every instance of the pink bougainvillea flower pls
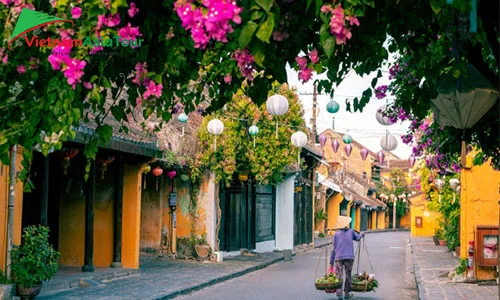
(109, 21)
(94, 50)
(34, 62)
(313, 55)
(5, 59)
(301, 61)
(21, 69)
(138, 101)
(140, 73)
(76, 12)
(353, 20)
(6, 2)
(107, 3)
(74, 71)
(227, 78)
(326, 9)
(305, 75)
(152, 89)
(60, 54)
(53, 3)
(133, 10)
(245, 63)
(129, 33)
(87, 85)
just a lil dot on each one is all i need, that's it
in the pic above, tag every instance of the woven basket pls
(328, 285)
(361, 287)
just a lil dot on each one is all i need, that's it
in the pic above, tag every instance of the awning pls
(329, 183)
(322, 161)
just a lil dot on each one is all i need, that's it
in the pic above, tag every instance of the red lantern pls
(68, 154)
(105, 161)
(157, 172)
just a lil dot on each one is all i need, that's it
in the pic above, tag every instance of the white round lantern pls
(381, 118)
(299, 140)
(389, 142)
(454, 183)
(277, 105)
(439, 184)
(215, 127)
(183, 118)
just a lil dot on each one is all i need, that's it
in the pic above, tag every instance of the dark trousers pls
(340, 266)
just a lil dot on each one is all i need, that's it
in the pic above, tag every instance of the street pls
(295, 279)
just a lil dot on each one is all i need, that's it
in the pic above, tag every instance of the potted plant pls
(201, 246)
(34, 262)
(440, 237)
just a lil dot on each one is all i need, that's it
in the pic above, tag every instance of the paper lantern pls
(439, 184)
(68, 154)
(383, 120)
(411, 161)
(171, 174)
(335, 145)
(253, 131)
(322, 140)
(215, 127)
(277, 105)
(348, 149)
(454, 183)
(347, 139)
(364, 153)
(332, 107)
(183, 118)
(299, 140)
(157, 172)
(388, 142)
(381, 156)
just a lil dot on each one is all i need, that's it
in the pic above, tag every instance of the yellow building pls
(479, 196)
(424, 222)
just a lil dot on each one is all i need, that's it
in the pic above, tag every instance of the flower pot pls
(202, 251)
(442, 242)
(28, 293)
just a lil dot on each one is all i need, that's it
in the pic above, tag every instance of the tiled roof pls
(367, 201)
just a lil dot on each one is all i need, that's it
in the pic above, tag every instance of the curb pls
(420, 288)
(216, 280)
(411, 288)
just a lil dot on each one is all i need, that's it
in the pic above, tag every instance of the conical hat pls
(342, 222)
(30, 20)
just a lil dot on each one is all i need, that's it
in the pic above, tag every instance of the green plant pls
(462, 266)
(3, 278)
(320, 216)
(35, 261)
(321, 235)
(439, 233)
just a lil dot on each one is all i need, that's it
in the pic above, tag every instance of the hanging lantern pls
(454, 183)
(411, 161)
(277, 105)
(332, 107)
(183, 118)
(215, 127)
(347, 139)
(439, 184)
(104, 162)
(68, 154)
(348, 149)
(388, 142)
(381, 156)
(184, 177)
(253, 131)
(322, 140)
(364, 153)
(243, 177)
(335, 145)
(171, 174)
(299, 140)
(157, 173)
(383, 120)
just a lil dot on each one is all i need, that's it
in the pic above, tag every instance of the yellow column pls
(131, 225)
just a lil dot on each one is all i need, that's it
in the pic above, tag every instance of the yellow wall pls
(357, 226)
(430, 219)
(479, 194)
(374, 220)
(405, 221)
(381, 220)
(18, 208)
(72, 216)
(131, 225)
(333, 209)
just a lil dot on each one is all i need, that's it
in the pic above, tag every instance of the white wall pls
(284, 214)
(267, 246)
(211, 217)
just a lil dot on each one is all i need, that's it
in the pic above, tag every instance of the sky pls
(363, 127)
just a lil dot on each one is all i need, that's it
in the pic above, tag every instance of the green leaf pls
(115, 4)
(105, 132)
(246, 34)
(369, 3)
(118, 112)
(358, 12)
(106, 83)
(374, 82)
(309, 2)
(329, 46)
(266, 29)
(259, 57)
(319, 4)
(436, 6)
(256, 15)
(265, 4)
(324, 33)
(94, 78)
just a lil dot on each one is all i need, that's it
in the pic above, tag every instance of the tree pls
(193, 50)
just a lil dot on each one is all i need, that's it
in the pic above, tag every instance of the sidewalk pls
(166, 279)
(432, 264)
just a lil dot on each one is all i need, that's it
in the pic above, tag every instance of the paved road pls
(294, 280)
